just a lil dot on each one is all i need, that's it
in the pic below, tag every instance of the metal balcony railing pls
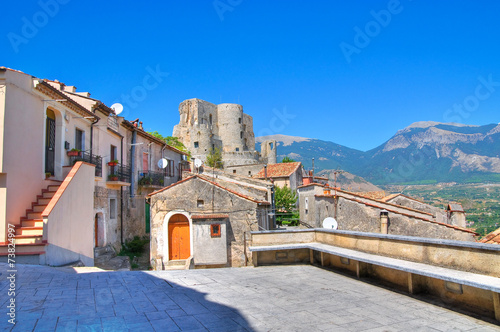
(89, 158)
(119, 172)
(151, 178)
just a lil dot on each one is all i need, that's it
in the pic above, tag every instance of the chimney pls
(384, 222)
(68, 88)
(265, 171)
(140, 125)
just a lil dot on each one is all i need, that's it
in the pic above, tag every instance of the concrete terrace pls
(279, 298)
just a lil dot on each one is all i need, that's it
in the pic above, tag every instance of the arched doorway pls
(179, 246)
(50, 142)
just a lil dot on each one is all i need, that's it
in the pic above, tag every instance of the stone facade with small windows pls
(207, 219)
(205, 126)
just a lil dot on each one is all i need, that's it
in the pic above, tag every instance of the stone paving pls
(279, 298)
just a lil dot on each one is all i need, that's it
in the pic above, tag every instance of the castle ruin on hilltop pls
(205, 126)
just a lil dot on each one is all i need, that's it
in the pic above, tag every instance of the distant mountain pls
(348, 181)
(423, 152)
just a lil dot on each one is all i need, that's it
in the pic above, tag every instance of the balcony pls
(89, 158)
(118, 176)
(150, 179)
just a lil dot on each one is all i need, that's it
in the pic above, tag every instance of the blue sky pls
(350, 72)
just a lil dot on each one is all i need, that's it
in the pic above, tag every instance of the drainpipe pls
(132, 163)
(273, 207)
(121, 195)
(92, 138)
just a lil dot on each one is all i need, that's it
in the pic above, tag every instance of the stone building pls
(204, 221)
(205, 126)
(50, 136)
(397, 214)
(283, 174)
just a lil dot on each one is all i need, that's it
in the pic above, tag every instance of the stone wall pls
(194, 196)
(364, 216)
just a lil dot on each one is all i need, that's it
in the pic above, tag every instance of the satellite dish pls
(117, 107)
(162, 163)
(198, 163)
(330, 223)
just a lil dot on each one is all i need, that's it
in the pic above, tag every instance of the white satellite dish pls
(330, 223)
(198, 163)
(117, 107)
(162, 163)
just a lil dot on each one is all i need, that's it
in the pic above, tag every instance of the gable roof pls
(252, 199)
(493, 237)
(279, 170)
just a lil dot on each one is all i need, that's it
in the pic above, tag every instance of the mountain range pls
(424, 152)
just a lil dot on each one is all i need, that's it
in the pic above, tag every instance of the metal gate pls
(50, 145)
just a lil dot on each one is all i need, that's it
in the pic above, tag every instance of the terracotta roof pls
(210, 216)
(378, 195)
(389, 197)
(493, 237)
(279, 170)
(213, 183)
(49, 90)
(127, 124)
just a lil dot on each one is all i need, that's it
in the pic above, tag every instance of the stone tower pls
(204, 126)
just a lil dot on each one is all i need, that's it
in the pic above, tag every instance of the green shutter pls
(147, 218)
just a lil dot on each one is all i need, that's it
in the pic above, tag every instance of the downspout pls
(121, 195)
(132, 163)
(92, 138)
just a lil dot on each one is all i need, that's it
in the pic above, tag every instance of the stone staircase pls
(29, 232)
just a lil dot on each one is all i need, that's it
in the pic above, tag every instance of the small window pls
(112, 208)
(237, 149)
(239, 120)
(241, 134)
(215, 230)
(196, 145)
(200, 203)
(249, 173)
(79, 140)
(234, 171)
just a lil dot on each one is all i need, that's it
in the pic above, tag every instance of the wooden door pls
(179, 242)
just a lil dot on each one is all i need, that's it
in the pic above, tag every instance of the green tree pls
(214, 158)
(287, 159)
(285, 199)
(172, 141)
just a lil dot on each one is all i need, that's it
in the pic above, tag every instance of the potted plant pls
(74, 153)
(113, 177)
(48, 175)
(113, 162)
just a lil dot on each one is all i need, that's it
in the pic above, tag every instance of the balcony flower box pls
(74, 153)
(113, 177)
(113, 163)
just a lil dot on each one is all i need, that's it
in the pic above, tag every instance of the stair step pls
(38, 207)
(180, 262)
(48, 194)
(28, 239)
(52, 188)
(43, 201)
(29, 231)
(32, 223)
(33, 215)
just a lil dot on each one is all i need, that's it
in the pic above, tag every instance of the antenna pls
(330, 223)
(198, 163)
(117, 108)
(162, 163)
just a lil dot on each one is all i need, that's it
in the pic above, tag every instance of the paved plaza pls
(279, 298)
